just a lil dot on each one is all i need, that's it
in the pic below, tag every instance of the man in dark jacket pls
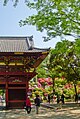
(62, 98)
(37, 103)
(49, 98)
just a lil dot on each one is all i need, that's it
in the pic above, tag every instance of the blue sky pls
(9, 24)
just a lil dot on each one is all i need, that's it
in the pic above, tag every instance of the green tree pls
(66, 57)
(62, 61)
(41, 70)
(57, 17)
(54, 69)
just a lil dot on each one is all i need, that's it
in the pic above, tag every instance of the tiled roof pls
(18, 44)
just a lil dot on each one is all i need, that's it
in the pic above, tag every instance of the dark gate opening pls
(16, 95)
(16, 98)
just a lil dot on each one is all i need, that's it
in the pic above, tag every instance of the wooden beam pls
(39, 60)
(17, 87)
(17, 73)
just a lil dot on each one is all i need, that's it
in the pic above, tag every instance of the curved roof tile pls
(19, 44)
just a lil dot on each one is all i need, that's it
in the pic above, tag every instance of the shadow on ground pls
(68, 111)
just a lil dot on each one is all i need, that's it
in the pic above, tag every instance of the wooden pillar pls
(27, 84)
(6, 94)
(27, 87)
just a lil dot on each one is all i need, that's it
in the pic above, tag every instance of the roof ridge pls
(3, 37)
(42, 48)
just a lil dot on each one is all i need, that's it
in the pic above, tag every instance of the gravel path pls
(66, 112)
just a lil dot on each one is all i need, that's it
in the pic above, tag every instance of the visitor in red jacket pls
(28, 105)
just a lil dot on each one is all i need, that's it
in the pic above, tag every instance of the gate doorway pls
(16, 95)
(13, 96)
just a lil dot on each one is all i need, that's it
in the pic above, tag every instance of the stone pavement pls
(68, 111)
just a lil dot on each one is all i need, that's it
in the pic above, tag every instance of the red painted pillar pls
(6, 94)
(27, 85)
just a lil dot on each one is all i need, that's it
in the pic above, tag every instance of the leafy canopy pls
(66, 57)
(57, 17)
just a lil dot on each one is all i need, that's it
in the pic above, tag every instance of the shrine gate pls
(18, 62)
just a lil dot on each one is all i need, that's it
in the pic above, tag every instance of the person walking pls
(37, 103)
(49, 98)
(58, 98)
(62, 98)
(28, 105)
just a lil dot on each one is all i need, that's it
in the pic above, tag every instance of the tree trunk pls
(76, 95)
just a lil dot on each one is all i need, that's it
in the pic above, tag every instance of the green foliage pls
(77, 47)
(15, 2)
(1, 92)
(57, 17)
(69, 93)
(65, 60)
(60, 82)
(41, 72)
(63, 66)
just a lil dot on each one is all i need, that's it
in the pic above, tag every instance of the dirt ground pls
(67, 111)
